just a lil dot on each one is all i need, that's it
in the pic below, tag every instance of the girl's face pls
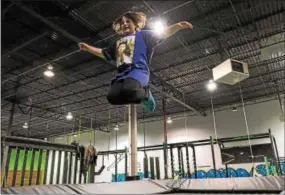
(127, 26)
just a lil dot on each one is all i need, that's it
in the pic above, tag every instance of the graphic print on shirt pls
(125, 50)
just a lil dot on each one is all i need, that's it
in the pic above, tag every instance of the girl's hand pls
(185, 24)
(83, 46)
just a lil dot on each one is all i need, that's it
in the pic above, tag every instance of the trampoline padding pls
(269, 183)
(128, 187)
(264, 184)
(41, 189)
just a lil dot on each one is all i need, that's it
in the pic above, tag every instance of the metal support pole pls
(65, 168)
(39, 167)
(194, 160)
(32, 166)
(157, 168)
(14, 178)
(152, 173)
(165, 140)
(126, 162)
(52, 166)
(188, 162)
(277, 153)
(179, 161)
(133, 139)
(58, 166)
(26, 150)
(69, 167)
(145, 167)
(91, 173)
(46, 167)
(6, 167)
(182, 163)
(116, 158)
(80, 168)
(274, 151)
(75, 169)
(172, 162)
(213, 156)
(221, 144)
(227, 170)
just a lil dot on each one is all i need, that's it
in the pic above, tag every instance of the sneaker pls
(149, 103)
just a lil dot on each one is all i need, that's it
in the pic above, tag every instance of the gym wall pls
(260, 117)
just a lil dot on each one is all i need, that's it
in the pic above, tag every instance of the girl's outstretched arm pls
(93, 50)
(171, 30)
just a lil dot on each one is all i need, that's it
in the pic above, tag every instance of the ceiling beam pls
(176, 90)
(46, 21)
(54, 112)
(262, 63)
(208, 14)
(171, 92)
(34, 39)
(213, 35)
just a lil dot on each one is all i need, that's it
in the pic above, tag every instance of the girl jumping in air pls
(132, 53)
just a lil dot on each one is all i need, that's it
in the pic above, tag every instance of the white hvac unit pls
(230, 72)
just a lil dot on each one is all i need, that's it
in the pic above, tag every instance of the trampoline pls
(270, 184)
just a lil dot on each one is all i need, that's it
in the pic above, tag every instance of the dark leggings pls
(127, 91)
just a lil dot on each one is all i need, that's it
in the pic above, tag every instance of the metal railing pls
(26, 161)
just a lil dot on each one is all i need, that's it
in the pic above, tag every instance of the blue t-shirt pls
(135, 50)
